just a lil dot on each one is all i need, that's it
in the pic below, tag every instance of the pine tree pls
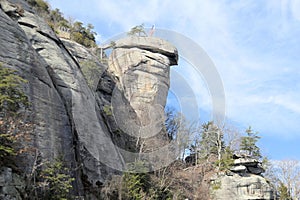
(212, 139)
(136, 181)
(11, 95)
(283, 192)
(11, 99)
(138, 31)
(248, 143)
(58, 181)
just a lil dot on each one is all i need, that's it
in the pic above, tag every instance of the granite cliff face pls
(68, 115)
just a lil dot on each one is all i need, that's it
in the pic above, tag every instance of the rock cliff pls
(71, 117)
(141, 66)
(244, 182)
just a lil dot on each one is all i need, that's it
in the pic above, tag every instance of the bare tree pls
(179, 129)
(288, 172)
(232, 137)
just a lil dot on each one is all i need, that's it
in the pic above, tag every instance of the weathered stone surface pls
(94, 143)
(239, 169)
(11, 186)
(67, 117)
(246, 162)
(242, 188)
(141, 64)
(151, 44)
(244, 182)
(89, 63)
(49, 113)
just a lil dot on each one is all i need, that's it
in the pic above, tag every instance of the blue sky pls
(254, 45)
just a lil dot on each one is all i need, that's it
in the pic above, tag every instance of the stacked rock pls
(245, 164)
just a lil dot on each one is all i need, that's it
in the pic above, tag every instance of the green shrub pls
(12, 96)
(136, 181)
(83, 35)
(226, 161)
(216, 185)
(57, 180)
(41, 6)
(91, 72)
(137, 31)
(107, 110)
(6, 148)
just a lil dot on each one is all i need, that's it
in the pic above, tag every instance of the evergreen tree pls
(211, 139)
(11, 95)
(138, 31)
(58, 181)
(283, 192)
(11, 99)
(248, 143)
(83, 35)
(136, 181)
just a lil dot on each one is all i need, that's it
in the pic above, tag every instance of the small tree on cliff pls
(57, 180)
(138, 31)
(11, 95)
(248, 143)
(12, 98)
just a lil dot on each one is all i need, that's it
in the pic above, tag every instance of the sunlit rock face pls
(244, 182)
(142, 67)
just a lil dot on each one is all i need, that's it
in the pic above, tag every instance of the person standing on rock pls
(151, 32)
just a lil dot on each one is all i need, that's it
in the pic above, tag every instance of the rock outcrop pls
(249, 165)
(71, 115)
(244, 182)
(142, 68)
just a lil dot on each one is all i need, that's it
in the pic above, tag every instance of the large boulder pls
(239, 169)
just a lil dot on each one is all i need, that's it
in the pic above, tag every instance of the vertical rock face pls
(52, 126)
(142, 67)
(66, 115)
